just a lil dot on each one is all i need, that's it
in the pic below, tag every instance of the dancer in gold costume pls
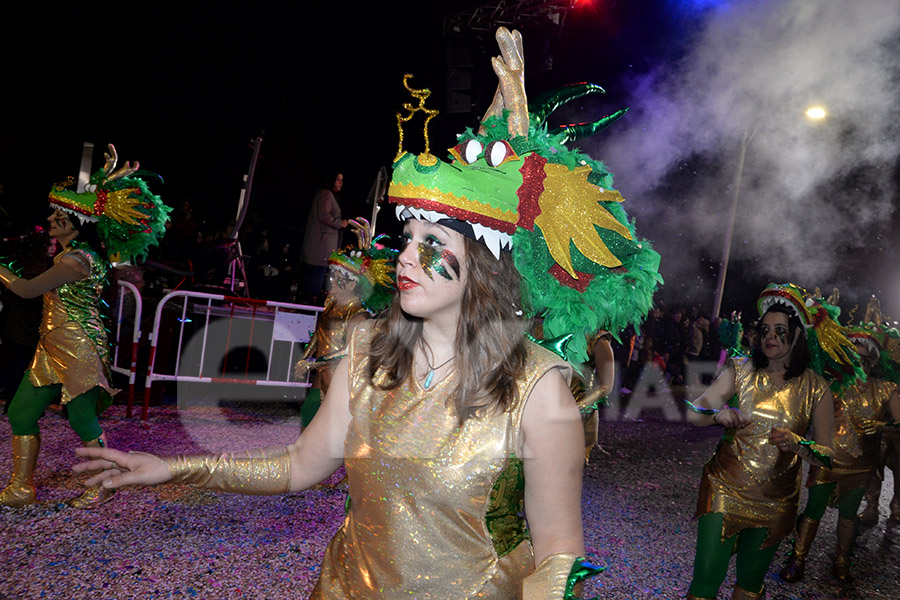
(71, 362)
(360, 285)
(862, 414)
(452, 425)
(751, 486)
(888, 368)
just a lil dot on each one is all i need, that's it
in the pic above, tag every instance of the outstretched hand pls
(118, 468)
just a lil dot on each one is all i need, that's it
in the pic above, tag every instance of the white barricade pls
(126, 288)
(203, 321)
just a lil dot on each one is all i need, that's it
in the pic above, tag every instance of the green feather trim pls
(731, 331)
(132, 241)
(10, 264)
(614, 298)
(822, 458)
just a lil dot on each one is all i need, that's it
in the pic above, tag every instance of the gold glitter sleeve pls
(262, 472)
(7, 277)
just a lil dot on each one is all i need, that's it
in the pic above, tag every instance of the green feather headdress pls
(129, 217)
(523, 190)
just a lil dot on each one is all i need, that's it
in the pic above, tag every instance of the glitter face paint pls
(775, 332)
(434, 258)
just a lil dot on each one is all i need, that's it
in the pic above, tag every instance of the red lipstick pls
(405, 283)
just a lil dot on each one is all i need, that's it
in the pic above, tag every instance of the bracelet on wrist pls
(710, 412)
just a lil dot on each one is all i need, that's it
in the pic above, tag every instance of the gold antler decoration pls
(873, 311)
(426, 158)
(111, 160)
(510, 94)
(363, 231)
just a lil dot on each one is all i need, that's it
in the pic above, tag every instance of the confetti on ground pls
(181, 542)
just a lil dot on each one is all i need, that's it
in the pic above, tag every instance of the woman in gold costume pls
(439, 450)
(360, 284)
(71, 359)
(117, 214)
(751, 486)
(451, 423)
(861, 416)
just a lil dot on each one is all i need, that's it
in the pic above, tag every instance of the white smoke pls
(810, 189)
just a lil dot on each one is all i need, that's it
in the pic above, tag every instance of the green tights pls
(847, 504)
(714, 554)
(30, 402)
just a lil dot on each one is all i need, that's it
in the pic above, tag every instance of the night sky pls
(184, 90)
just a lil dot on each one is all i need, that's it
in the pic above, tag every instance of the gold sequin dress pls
(748, 479)
(856, 454)
(436, 510)
(73, 349)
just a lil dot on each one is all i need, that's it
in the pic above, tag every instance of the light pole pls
(816, 113)
(729, 230)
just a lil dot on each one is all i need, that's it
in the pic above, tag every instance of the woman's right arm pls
(312, 457)
(65, 271)
(712, 406)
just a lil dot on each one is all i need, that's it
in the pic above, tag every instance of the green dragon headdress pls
(129, 217)
(370, 266)
(882, 340)
(521, 189)
(831, 352)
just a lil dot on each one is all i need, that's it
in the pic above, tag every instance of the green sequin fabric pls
(506, 508)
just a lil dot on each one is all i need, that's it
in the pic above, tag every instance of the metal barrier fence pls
(210, 327)
(131, 370)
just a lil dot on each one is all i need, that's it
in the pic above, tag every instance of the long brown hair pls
(490, 341)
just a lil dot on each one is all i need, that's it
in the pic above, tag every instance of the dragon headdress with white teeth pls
(521, 189)
(129, 217)
(882, 341)
(370, 265)
(832, 354)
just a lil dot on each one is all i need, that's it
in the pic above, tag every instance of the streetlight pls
(816, 113)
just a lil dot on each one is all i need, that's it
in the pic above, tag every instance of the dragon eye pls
(496, 153)
(471, 151)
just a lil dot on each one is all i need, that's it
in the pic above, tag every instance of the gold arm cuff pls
(266, 471)
(548, 582)
(7, 277)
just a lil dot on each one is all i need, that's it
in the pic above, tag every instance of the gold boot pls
(95, 495)
(742, 594)
(20, 491)
(796, 565)
(846, 532)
